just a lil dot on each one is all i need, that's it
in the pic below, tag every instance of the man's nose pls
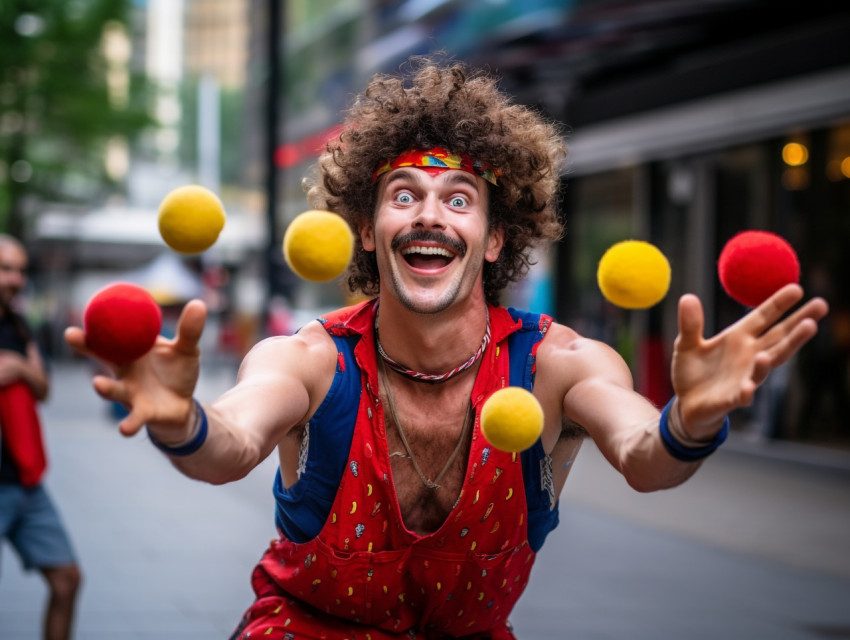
(429, 214)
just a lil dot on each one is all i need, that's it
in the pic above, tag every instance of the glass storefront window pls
(797, 186)
(816, 407)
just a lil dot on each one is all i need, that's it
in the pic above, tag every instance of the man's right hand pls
(157, 388)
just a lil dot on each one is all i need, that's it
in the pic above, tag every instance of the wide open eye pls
(458, 202)
(404, 198)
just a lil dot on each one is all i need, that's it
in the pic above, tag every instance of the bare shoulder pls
(309, 355)
(566, 358)
(573, 372)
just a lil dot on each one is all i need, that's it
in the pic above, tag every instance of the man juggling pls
(398, 518)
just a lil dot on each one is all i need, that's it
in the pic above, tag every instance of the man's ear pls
(367, 237)
(495, 242)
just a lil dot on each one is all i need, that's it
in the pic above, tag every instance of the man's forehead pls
(10, 256)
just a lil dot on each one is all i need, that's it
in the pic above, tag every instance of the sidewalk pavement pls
(752, 546)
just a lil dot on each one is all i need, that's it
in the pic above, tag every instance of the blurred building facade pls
(194, 52)
(677, 114)
(216, 38)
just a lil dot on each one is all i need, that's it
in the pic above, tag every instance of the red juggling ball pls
(754, 265)
(121, 322)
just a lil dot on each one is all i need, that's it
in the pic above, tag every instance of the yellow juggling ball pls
(318, 245)
(190, 219)
(633, 274)
(512, 419)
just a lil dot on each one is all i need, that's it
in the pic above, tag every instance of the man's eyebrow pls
(401, 174)
(462, 176)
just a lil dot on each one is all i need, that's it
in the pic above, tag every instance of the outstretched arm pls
(711, 377)
(228, 437)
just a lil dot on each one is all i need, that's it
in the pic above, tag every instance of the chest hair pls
(432, 421)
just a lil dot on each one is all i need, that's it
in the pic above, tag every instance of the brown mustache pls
(421, 235)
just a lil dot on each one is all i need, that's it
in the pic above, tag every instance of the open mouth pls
(427, 258)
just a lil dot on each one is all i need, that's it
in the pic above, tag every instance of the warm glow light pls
(845, 167)
(795, 154)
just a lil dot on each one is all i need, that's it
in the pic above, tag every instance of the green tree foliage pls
(57, 112)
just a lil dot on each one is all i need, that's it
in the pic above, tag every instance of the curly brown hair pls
(462, 109)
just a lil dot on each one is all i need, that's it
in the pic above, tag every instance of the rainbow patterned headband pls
(438, 158)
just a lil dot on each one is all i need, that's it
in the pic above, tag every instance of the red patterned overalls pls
(366, 576)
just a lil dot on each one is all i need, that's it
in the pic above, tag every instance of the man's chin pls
(426, 304)
(425, 295)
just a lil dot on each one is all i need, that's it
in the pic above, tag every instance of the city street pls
(754, 546)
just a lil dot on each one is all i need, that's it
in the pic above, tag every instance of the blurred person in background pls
(29, 521)
(397, 519)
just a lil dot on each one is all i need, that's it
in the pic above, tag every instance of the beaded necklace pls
(433, 378)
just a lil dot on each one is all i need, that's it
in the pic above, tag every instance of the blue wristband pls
(680, 451)
(190, 447)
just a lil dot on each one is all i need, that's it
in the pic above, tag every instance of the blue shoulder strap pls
(536, 465)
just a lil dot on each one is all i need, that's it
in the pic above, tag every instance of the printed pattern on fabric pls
(365, 575)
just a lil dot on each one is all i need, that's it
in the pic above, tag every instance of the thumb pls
(190, 326)
(75, 338)
(691, 321)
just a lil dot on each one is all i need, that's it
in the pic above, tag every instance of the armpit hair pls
(570, 430)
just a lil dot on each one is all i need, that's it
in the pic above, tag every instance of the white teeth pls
(427, 251)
